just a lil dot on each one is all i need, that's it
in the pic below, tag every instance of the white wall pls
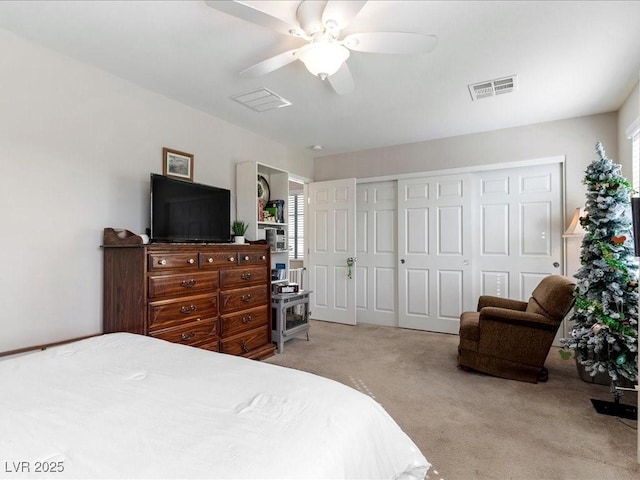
(628, 113)
(76, 149)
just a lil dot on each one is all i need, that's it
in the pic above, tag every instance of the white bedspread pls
(128, 406)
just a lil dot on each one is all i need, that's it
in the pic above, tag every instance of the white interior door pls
(331, 242)
(434, 249)
(520, 231)
(376, 227)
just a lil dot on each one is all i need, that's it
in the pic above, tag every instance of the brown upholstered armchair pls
(511, 339)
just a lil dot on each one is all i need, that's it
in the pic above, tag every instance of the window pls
(296, 226)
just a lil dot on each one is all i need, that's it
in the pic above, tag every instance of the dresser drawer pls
(243, 298)
(183, 284)
(166, 261)
(237, 277)
(243, 343)
(166, 313)
(194, 333)
(252, 258)
(217, 259)
(243, 321)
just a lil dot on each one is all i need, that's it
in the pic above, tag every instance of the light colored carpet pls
(470, 425)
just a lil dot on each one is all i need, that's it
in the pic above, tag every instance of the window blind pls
(296, 226)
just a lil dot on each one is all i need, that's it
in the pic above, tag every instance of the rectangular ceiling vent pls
(261, 100)
(491, 88)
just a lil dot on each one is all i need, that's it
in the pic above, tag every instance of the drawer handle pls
(247, 319)
(243, 344)
(232, 259)
(187, 336)
(246, 276)
(189, 283)
(246, 298)
(263, 257)
(246, 258)
(191, 261)
(210, 260)
(162, 261)
(190, 309)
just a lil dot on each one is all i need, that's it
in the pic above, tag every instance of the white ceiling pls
(572, 59)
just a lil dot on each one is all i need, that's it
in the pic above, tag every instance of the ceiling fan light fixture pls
(323, 58)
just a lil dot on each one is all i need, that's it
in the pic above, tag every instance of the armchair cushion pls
(490, 301)
(553, 297)
(514, 317)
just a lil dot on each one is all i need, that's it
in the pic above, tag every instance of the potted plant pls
(239, 228)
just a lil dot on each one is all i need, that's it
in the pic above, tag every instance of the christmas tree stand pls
(615, 408)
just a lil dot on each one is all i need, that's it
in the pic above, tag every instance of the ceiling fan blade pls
(342, 81)
(309, 15)
(391, 42)
(270, 64)
(253, 15)
(342, 12)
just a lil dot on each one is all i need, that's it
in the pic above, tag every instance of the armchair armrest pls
(515, 317)
(501, 302)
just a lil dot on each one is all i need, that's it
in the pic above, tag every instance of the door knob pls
(556, 264)
(402, 260)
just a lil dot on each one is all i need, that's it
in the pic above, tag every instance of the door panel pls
(417, 282)
(384, 292)
(520, 229)
(495, 282)
(450, 305)
(331, 242)
(450, 230)
(494, 238)
(535, 223)
(377, 256)
(434, 228)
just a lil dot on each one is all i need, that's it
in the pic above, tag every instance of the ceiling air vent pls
(491, 88)
(261, 100)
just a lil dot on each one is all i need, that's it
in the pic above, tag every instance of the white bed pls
(129, 406)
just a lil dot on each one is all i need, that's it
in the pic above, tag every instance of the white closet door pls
(331, 242)
(376, 227)
(497, 233)
(434, 249)
(520, 229)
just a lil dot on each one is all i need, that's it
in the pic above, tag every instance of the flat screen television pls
(186, 212)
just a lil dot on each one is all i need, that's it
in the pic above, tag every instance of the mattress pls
(128, 406)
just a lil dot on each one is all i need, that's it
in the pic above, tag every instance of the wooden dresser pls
(216, 297)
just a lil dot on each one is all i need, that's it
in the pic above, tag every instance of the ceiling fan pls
(320, 23)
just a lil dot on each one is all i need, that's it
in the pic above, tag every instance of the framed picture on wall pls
(177, 164)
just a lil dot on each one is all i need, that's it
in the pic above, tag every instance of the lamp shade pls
(323, 58)
(575, 227)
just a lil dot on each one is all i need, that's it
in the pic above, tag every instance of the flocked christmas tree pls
(605, 330)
